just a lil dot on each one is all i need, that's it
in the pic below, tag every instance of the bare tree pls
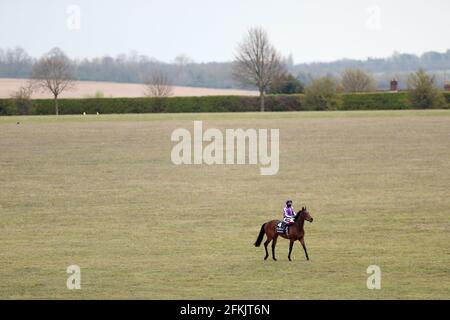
(17, 62)
(183, 60)
(158, 84)
(257, 62)
(183, 65)
(22, 98)
(54, 73)
(357, 80)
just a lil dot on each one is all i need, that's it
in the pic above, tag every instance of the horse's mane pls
(299, 213)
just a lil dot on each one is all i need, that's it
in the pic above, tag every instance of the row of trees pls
(258, 63)
(322, 93)
(398, 63)
(134, 67)
(130, 68)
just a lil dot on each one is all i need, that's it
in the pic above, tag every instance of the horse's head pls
(304, 214)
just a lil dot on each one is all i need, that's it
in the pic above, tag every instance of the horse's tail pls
(260, 236)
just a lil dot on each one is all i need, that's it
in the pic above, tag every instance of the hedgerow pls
(349, 101)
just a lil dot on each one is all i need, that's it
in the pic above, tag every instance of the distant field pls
(101, 192)
(112, 89)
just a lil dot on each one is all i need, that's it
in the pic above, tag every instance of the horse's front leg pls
(291, 243)
(302, 241)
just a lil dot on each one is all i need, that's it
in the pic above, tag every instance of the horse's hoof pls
(274, 259)
(265, 258)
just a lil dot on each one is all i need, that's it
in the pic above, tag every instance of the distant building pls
(394, 85)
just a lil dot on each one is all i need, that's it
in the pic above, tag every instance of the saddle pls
(282, 227)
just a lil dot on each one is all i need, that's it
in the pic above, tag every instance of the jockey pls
(288, 213)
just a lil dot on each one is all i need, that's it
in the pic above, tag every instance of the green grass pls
(226, 115)
(101, 192)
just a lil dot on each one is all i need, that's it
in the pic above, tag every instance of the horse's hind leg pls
(274, 243)
(291, 243)
(266, 243)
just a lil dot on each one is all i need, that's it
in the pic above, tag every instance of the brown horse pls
(296, 232)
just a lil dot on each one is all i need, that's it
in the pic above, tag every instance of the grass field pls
(101, 192)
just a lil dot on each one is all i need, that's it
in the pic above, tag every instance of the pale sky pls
(208, 30)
